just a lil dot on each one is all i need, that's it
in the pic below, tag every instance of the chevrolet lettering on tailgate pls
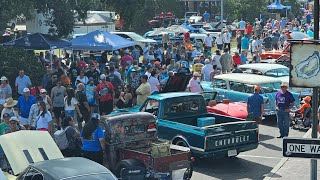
(233, 140)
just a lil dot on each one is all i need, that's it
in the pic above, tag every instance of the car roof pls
(69, 167)
(118, 32)
(172, 95)
(247, 78)
(262, 67)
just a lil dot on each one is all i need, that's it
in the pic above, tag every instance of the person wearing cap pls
(135, 63)
(125, 60)
(5, 91)
(93, 143)
(104, 94)
(4, 126)
(284, 102)
(24, 105)
(206, 70)
(93, 73)
(255, 105)
(14, 125)
(22, 81)
(306, 104)
(57, 96)
(194, 84)
(227, 39)
(144, 90)
(45, 97)
(81, 64)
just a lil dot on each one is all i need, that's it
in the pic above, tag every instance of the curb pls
(283, 160)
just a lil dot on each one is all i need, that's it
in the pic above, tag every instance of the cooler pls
(206, 121)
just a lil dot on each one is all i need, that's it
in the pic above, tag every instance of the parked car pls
(132, 36)
(133, 146)
(38, 157)
(237, 87)
(183, 119)
(274, 54)
(283, 60)
(274, 70)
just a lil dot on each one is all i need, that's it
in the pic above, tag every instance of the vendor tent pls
(278, 6)
(100, 41)
(38, 41)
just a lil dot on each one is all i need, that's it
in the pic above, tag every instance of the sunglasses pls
(43, 93)
(283, 86)
(54, 77)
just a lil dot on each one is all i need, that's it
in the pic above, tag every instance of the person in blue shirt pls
(24, 105)
(245, 44)
(93, 143)
(255, 106)
(206, 16)
(243, 57)
(89, 90)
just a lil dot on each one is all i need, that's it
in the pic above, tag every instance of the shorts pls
(24, 121)
(106, 107)
(69, 113)
(57, 111)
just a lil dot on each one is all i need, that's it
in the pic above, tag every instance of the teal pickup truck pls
(182, 118)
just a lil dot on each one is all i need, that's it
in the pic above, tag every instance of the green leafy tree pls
(13, 59)
(247, 9)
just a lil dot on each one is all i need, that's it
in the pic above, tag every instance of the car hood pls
(23, 148)
(284, 79)
(273, 52)
(148, 41)
(176, 83)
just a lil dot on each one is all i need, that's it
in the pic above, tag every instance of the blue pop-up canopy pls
(277, 5)
(38, 41)
(100, 41)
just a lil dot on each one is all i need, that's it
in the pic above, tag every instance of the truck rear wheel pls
(127, 164)
(181, 142)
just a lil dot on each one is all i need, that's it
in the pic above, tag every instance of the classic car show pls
(159, 89)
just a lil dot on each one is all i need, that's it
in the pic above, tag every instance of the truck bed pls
(159, 164)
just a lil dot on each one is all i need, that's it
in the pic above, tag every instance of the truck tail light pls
(151, 127)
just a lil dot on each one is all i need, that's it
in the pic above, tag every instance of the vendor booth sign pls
(305, 65)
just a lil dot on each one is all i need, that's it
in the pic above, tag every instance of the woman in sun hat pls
(5, 91)
(8, 107)
(46, 99)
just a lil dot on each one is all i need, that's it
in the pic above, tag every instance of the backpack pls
(60, 137)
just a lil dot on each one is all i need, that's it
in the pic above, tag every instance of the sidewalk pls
(292, 168)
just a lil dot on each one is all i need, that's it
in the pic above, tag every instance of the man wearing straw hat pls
(8, 107)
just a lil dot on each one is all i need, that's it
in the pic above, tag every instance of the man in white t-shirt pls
(227, 39)
(194, 84)
(154, 83)
(208, 41)
(219, 41)
(255, 45)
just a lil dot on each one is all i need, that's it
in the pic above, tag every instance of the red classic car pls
(233, 109)
(275, 54)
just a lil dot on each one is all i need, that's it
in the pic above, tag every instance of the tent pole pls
(51, 58)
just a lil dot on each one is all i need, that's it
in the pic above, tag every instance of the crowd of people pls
(76, 91)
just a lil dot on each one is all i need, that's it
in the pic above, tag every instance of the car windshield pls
(270, 87)
(280, 72)
(136, 37)
(202, 31)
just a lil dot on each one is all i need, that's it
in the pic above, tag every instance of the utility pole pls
(222, 13)
(315, 97)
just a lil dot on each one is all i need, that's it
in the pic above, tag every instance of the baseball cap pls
(95, 116)
(257, 88)
(13, 118)
(43, 91)
(90, 78)
(6, 115)
(102, 76)
(25, 90)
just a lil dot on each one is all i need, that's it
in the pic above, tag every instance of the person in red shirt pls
(126, 60)
(104, 93)
(248, 29)
(186, 36)
(81, 64)
(236, 58)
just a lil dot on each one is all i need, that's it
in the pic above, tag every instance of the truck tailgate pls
(231, 135)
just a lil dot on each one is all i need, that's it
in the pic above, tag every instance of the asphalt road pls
(254, 164)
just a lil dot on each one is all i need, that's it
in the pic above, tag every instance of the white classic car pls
(278, 71)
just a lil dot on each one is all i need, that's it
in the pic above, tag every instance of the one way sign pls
(301, 147)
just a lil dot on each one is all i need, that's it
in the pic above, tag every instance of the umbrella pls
(299, 35)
